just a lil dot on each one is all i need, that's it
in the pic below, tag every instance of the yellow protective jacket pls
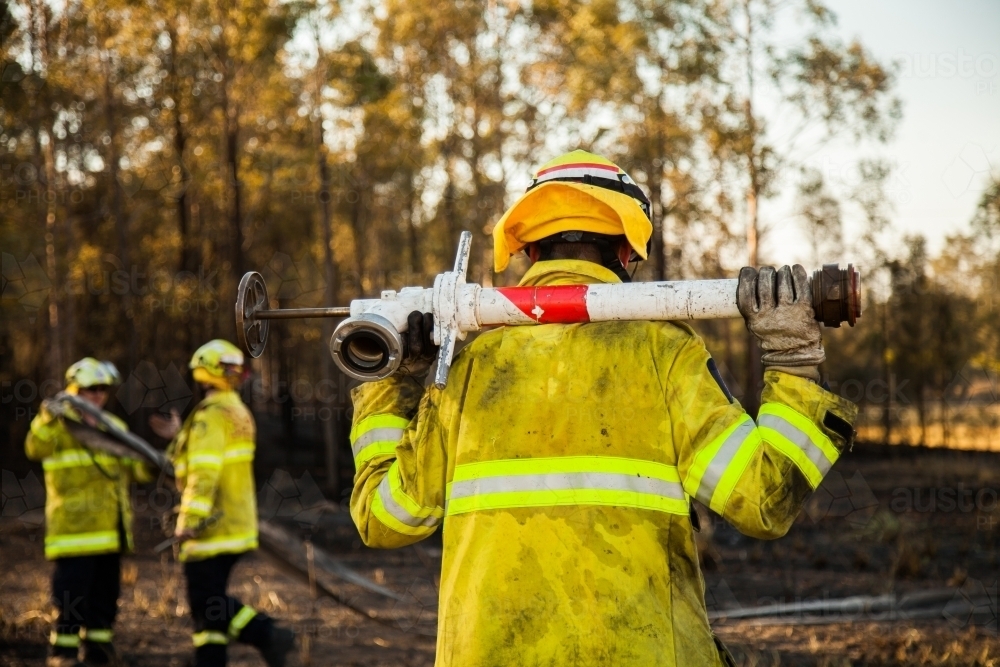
(213, 461)
(561, 460)
(87, 507)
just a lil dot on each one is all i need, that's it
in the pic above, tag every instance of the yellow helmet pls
(89, 372)
(218, 363)
(579, 192)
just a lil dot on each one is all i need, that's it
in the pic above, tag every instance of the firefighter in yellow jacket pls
(213, 453)
(561, 459)
(88, 521)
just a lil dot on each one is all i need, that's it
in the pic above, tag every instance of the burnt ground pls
(887, 520)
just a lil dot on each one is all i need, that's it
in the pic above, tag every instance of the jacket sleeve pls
(142, 472)
(400, 455)
(205, 447)
(43, 436)
(138, 471)
(757, 476)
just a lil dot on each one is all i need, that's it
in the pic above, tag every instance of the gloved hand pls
(777, 307)
(419, 350)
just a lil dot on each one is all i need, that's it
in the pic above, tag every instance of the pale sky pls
(948, 142)
(949, 82)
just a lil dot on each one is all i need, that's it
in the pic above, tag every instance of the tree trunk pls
(118, 211)
(755, 372)
(41, 160)
(658, 247)
(329, 299)
(416, 267)
(887, 374)
(358, 221)
(232, 129)
(655, 171)
(185, 259)
(180, 140)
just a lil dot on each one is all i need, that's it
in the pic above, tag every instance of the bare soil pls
(887, 520)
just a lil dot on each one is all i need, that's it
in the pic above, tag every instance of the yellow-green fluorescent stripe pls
(798, 438)
(398, 511)
(721, 464)
(56, 545)
(718, 466)
(240, 620)
(377, 421)
(98, 636)
(376, 436)
(205, 461)
(209, 637)
(75, 458)
(70, 641)
(237, 455)
(570, 480)
(201, 507)
(217, 545)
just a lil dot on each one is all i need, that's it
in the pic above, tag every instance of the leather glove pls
(419, 350)
(777, 307)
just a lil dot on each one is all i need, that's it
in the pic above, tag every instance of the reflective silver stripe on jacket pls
(382, 434)
(563, 481)
(397, 511)
(799, 438)
(720, 462)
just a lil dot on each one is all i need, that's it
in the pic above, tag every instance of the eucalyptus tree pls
(464, 67)
(781, 98)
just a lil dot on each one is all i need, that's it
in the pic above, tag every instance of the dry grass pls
(824, 556)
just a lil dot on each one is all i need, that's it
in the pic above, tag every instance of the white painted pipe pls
(374, 328)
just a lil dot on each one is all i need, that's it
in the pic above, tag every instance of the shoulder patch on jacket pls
(714, 370)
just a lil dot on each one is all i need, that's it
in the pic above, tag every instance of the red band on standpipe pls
(557, 304)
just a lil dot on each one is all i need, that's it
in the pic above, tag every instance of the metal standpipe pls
(368, 345)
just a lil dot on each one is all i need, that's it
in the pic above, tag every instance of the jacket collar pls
(219, 396)
(567, 272)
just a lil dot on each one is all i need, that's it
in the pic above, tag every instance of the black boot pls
(280, 651)
(101, 654)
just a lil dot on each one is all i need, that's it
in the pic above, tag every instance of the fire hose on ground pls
(368, 344)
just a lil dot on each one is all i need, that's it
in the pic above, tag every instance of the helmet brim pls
(560, 206)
